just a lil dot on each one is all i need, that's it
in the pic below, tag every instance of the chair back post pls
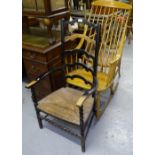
(87, 25)
(62, 40)
(96, 48)
(62, 48)
(34, 99)
(82, 129)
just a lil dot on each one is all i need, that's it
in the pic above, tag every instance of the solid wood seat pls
(102, 79)
(62, 104)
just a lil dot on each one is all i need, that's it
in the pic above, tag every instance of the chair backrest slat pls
(75, 59)
(112, 17)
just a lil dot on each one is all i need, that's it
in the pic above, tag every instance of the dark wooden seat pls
(62, 104)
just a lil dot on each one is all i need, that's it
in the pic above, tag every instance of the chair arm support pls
(119, 54)
(41, 77)
(86, 94)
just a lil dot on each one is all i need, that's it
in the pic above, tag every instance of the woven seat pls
(73, 107)
(62, 104)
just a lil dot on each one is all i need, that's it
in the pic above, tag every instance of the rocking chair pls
(71, 105)
(112, 16)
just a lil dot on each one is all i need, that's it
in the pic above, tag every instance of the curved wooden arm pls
(81, 100)
(82, 39)
(41, 77)
(119, 53)
(115, 61)
(86, 94)
(81, 36)
(29, 85)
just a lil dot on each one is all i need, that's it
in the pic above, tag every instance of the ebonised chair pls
(71, 105)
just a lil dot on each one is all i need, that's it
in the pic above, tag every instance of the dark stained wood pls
(47, 6)
(47, 10)
(36, 63)
(32, 55)
(39, 60)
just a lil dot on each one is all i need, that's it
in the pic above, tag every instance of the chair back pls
(72, 69)
(76, 59)
(113, 18)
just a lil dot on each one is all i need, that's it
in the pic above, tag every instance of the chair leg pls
(111, 89)
(83, 148)
(129, 37)
(119, 68)
(98, 105)
(39, 119)
(94, 108)
(35, 106)
(82, 129)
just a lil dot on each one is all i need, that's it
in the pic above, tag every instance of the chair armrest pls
(29, 85)
(115, 61)
(86, 94)
(81, 100)
(41, 77)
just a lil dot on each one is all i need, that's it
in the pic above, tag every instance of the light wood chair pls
(130, 24)
(71, 105)
(112, 16)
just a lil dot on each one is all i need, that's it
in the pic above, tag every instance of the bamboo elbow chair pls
(112, 16)
(73, 106)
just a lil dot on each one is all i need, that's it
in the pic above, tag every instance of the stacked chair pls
(70, 107)
(112, 16)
